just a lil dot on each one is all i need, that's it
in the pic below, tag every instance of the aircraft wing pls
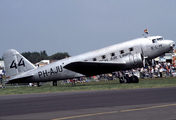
(90, 68)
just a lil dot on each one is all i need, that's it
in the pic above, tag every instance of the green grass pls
(101, 85)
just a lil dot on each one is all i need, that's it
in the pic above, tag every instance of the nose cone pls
(172, 44)
(169, 43)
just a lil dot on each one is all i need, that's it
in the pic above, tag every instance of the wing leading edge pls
(95, 67)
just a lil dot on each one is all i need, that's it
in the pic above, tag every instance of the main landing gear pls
(127, 79)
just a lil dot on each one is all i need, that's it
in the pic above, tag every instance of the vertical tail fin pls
(15, 63)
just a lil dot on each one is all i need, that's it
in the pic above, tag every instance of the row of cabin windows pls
(130, 49)
(113, 54)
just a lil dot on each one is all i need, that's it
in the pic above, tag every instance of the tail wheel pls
(54, 83)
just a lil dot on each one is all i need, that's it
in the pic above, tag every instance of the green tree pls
(35, 57)
(59, 55)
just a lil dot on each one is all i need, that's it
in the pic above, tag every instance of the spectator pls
(151, 71)
(160, 71)
(156, 71)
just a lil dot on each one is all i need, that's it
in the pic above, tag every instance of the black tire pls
(54, 83)
(134, 79)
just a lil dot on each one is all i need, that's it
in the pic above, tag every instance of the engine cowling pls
(133, 61)
(136, 60)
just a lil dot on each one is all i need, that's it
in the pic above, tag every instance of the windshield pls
(159, 39)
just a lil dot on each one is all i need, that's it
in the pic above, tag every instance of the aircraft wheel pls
(134, 79)
(125, 80)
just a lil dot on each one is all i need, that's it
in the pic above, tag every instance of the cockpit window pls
(160, 38)
(154, 40)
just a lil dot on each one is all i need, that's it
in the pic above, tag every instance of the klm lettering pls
(156, 47)
(125, 54)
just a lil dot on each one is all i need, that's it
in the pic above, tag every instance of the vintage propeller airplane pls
(135, 53)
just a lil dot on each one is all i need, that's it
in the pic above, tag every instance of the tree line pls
(35, 57)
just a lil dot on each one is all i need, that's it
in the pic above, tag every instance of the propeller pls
(144, 62)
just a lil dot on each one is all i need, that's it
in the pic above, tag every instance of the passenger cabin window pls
(122, 51)
(94, 59)
(131, 49)
(112, 54)
(103, 56)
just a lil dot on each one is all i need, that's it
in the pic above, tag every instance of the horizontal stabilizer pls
(94, 67)
(18, 78)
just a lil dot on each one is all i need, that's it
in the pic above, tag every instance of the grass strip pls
(101, 85)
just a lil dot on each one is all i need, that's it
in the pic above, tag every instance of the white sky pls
(78, 26)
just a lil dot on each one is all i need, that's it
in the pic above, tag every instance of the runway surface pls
(155, 103)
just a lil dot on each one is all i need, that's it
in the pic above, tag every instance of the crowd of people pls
(161, 69)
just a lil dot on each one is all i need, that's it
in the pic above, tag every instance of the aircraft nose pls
(172, 44)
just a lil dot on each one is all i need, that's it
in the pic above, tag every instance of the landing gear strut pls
(54, 83)
(126, 79)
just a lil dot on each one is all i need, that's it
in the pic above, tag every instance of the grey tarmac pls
(155, 103)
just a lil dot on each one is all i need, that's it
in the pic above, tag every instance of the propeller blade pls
(144, 62)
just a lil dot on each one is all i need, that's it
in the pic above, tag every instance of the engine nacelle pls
(133, 61)
(136, 60)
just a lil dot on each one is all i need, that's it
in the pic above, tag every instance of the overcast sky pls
(78, 26)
